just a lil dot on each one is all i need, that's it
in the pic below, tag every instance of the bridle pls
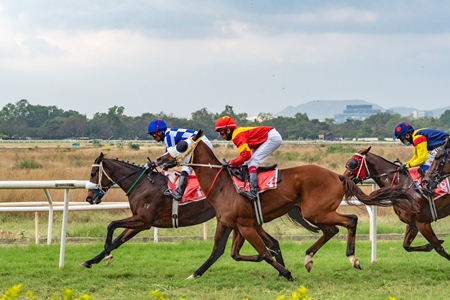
(357, 165)
(100, 190)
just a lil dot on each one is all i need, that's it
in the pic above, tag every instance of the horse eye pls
(93, 174)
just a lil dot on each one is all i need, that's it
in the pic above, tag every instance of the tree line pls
(23, 120)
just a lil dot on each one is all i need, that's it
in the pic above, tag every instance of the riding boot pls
(181, 186)
(254, 185)
(252, 194)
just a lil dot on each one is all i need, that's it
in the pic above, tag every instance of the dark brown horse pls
(364, 165)
(439, 169)
(150, 207)
(316, 191)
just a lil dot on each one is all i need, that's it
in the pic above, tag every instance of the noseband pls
(98, 189)
(357, 165)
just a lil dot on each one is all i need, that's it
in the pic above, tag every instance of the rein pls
(107, 187)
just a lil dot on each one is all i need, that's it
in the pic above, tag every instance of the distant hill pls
(322, 109)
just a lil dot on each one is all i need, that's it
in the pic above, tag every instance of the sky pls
(259, 56)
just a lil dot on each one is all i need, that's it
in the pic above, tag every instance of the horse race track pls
(139, 268)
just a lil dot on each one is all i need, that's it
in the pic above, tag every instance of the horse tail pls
(296, 218)
(386, 196)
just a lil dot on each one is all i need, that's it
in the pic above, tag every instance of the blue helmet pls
(156, 125)
(402, 129)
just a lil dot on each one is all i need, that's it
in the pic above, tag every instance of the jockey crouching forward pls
(426, 142)
(171, 136)
(254, 145)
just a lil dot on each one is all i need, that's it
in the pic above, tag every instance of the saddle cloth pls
(193, 191)
(266, 181)
(442, 189)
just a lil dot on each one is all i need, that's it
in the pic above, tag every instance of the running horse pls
(364, 165)
(316, 192)
(150, 207)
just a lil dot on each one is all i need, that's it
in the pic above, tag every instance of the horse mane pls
(390, 162)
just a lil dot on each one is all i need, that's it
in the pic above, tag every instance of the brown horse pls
(150, 207)
(439, 169)
(316, 191)
(364, 165)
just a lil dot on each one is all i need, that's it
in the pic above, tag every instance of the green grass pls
(138, 268)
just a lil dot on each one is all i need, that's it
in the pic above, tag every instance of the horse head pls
(98, 184)
(439, 169)
(356, 166)
(180, 153)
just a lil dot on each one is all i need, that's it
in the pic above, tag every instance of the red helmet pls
(225, 122)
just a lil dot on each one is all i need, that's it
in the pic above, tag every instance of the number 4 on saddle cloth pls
(442, 189)
(267, 180)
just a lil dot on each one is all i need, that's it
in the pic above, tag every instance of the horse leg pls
(410, 235)
(220, 241)
(134, 222)
(328, 226)
(251, 235)
(427, 231)
(269, 241)
(125, 236)
(272, 244)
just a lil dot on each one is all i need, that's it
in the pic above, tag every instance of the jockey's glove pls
(151, 165)
(403, 168)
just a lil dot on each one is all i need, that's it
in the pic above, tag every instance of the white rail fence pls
(65, 206)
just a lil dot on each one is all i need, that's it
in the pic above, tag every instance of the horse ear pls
(198, 135)
(182, 146)
(365, 151)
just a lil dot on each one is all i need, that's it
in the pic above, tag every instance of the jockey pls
(254, 145)
(171, 136)
(426, 142)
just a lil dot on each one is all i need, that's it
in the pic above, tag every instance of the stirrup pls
(168, 192)
(249, 195)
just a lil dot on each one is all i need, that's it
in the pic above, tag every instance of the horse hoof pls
(86, 265)
(108, 259)
(192, 277)
(357, 265)
(309, 266)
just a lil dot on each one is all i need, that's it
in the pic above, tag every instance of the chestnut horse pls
(150, 207)
(439, 169)
(364, 165)
(316, 191)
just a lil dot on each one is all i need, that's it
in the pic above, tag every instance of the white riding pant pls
(430, 159)
(268, 147)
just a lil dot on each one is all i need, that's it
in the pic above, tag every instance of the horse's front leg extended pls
(410, 235)
(220, 241)
(134, 222)
(125, 236)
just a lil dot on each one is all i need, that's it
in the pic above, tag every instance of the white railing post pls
(64, 228)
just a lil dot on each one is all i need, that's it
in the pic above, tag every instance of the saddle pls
(242, 174)
(268, 177)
